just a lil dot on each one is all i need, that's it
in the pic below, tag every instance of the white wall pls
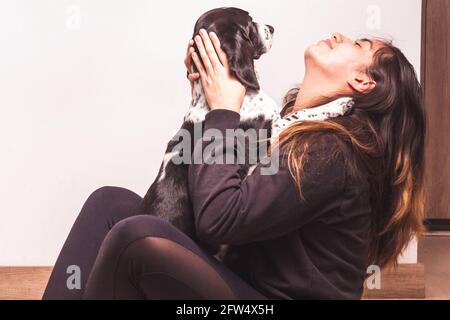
(91, 91)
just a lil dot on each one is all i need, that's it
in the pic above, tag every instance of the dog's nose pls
(271, 29)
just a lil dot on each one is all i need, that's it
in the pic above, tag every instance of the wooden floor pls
(28, 283)
(407, 281)
(23, 283)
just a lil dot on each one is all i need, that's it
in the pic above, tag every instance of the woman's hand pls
(221, 89)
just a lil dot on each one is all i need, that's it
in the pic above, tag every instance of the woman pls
(348, 194)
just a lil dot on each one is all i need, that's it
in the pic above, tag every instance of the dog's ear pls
(240, 53)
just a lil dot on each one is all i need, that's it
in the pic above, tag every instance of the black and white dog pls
(243, 41)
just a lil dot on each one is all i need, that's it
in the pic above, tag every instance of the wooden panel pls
(405, 282)
(23, 283)
(435, 255)
(436, 82)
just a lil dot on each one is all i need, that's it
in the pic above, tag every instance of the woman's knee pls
(112, 203)
(138, 227)
(107, 195)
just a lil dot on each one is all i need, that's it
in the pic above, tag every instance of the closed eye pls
(360, 42)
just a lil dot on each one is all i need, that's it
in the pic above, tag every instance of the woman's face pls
(343, 61)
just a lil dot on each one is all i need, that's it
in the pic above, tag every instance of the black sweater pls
(284, 246)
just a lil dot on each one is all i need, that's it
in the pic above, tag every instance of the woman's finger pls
(190, 44)
(201, 48)
(209, 47)
(222, 55)
(198, 63)
(188, 59)
(194, 77)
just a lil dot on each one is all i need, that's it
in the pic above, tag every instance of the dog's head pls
(241, 39)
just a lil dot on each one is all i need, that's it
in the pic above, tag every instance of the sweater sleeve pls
(235, 211)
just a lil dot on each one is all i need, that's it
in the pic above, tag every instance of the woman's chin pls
(316, 54)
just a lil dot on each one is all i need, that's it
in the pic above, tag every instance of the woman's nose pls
(340, 38)
(337, 37)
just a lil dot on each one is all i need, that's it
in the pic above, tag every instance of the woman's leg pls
(103, 209)
(144, 257)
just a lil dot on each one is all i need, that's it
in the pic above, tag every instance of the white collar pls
(333, 109)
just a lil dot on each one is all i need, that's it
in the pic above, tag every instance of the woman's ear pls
(241, 62)
(362, 83)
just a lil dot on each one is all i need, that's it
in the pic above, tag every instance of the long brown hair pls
(386, 131)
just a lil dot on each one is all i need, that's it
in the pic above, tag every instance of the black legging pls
(122, 256)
